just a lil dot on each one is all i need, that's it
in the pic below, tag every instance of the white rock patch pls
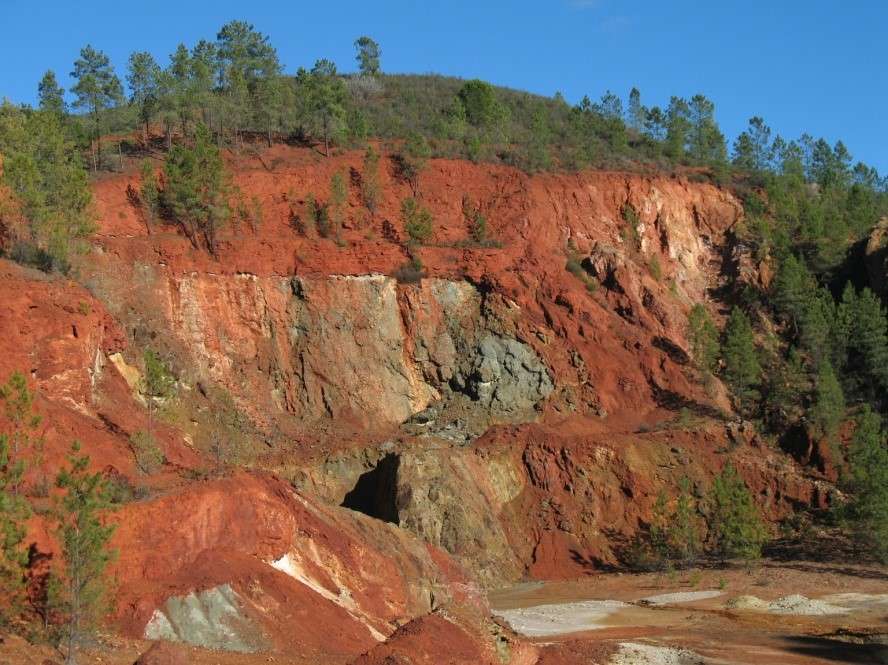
(560, 618)
(290, 565)
(633, 653)
(801, 605)
(795, 604)
(681, 597)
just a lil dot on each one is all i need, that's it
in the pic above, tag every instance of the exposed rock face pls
(446, 498)
(358, 348)
(505, 376)
(212, 618)
(540, 501)
(237, 319)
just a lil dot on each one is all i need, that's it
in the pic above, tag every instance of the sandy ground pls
(772, 613)
(684, 619)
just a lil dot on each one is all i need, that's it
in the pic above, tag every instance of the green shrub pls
(736, 528)
(317, 215)
(417, 220)
(703, 338)
(673, 536)
(410, 272)
(149, 456)
(631, 233)
(655, 269)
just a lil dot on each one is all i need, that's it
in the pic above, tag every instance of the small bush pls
(418, 221)
(29, 254)
(655, 269)
(574, 268)
(317, 215)
(631, 233)
(410, 272)
(149, 457)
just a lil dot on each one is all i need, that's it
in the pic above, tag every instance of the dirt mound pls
(452, 638)
(163, 653)
(794, 604)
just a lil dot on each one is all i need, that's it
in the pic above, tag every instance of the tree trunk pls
(98, 140)
(326, 139)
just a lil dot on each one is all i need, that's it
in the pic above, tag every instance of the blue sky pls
(817, 66)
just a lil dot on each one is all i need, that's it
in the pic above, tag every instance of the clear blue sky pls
(816, 65)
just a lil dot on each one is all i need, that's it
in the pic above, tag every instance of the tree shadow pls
(673, 401)
(840, 651)
(828, 552)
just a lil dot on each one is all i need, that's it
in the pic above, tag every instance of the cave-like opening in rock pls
(375, 493)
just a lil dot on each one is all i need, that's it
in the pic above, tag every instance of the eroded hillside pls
(400, 444)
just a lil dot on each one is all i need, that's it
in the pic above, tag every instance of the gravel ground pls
(794, 604)
(633, 653)
(560, 618)
(681, 597)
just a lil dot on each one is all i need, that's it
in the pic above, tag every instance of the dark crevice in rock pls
(375, 493)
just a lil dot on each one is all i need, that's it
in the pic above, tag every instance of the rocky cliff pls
(512, 414)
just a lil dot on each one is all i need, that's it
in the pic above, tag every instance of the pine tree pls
(816, 324)
(157, 384)
(81, 588)
(418, 221)
(742, 368)
(176, 80)
(367, 56)
(412, 160)
(792, 289)
(703, 337)
(787, 385)
(143, 75)
(869, 481)
(44, 171)
(325, 96)
(871, 336)
(683, 532)
(248, 63)
(635, 113)
(735, 526)
(828, 410)
(50, 95)
(18, 407)
(752, 149)
(203, 67)
(479, 104)
(14, 512)
(678, 127)
(655, 124)
(843, 327)
(197, 188)
(97, 89)
(706, 142)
